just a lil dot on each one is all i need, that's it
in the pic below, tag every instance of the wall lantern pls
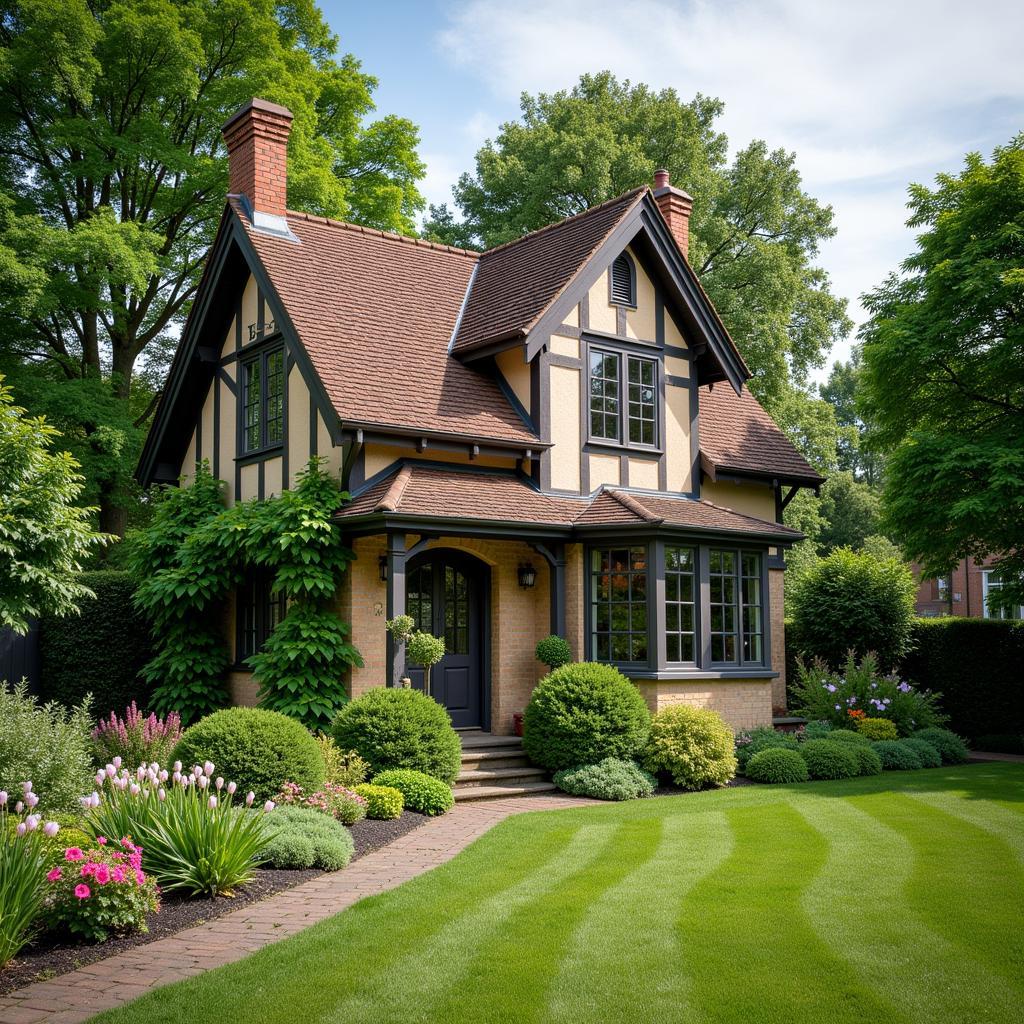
(527, 576)
(382, 566)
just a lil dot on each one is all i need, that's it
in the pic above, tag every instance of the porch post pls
(395, 604)
(558, 590)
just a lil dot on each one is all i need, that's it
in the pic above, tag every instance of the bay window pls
(618, 600)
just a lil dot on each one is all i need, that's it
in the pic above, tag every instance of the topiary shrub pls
(259, 750)
(814, 730)
(847, 736)
(850, 601)
(382, 802)
(877, 729)
(421, 792)
(693, 745)
(582, 713)
(306, 839)
(927, 752)
(868, 761)
(399, 728)
(761, 738)
(553, 651)
(610, 779)
(828, 760)
(777, 764)
(951, 748)
(897, 756)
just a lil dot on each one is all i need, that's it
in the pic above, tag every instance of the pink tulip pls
(176, 766)
(19, 807)
(231, 788)
(208, 768)
(101, 777)
(3, 797)
(268, 806)
(219, 783)
(26, 787)
(212, 803)
(249, 797)
(51, 828)
(20, 830)
(32, 822)
(163, 795)
(111, 771)
(134, 790)
(94, 800)
(203, 781)
(117, 762)
(82, 891)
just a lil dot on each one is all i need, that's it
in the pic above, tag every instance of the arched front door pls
(446, 594)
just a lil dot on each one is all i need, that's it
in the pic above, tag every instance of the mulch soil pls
(49, 955)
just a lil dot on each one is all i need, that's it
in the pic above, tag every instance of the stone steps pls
(495, 766)
(464, 793)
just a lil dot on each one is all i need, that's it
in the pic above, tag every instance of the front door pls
(445, 595)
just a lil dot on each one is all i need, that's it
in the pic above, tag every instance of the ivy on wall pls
(195, 551)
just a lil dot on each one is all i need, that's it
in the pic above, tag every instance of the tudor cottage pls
(551, 436)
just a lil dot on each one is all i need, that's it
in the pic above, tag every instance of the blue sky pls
(870, 95)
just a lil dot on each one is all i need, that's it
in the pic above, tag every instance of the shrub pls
(828, 760)
(868, 761)
(843, 698)
(136, 739)
(582, 713)
(693, 745)
(101, 650)
(101, 891)
(45, 743)
(399, 728)
(877, 729)
(610, 779)
(975, 665)
(23, 840)
(897, 756)
(382, 802)
(761, 738)
(854, 602)
(195, 839)
(553, 651)
(777, 764)
(814, 730)
(261, 750)
(926, 752)
(420, 792)
(304, 838)
(342, 767)
(337, 801)
(951, 748)
(850, 738)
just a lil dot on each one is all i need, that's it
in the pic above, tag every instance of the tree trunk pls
(112, 520)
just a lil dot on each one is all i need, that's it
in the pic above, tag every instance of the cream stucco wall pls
(679, 463)
(516, 370)
(377, 457)
(640, 322)
(643, 473)
(751, 499)
(604, 469)
(565, 428)
(563, 346)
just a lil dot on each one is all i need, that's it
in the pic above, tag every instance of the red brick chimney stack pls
(257, 141)
(676, 207)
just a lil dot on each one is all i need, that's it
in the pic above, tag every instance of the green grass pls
(897, 898)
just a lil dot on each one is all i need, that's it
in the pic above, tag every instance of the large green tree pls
(113, 172)
(943, 381)
(754, 233)
(849, 513)
(855, 450)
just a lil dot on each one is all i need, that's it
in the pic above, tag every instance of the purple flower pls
(838, 708)
(904, 687)
(831, 688)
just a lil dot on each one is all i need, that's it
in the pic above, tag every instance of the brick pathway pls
(78, 995)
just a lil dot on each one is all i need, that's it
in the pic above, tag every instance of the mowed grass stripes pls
(891, 899)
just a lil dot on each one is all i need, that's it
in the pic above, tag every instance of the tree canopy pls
(943, 381)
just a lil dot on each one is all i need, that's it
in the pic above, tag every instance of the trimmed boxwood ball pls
(828, 760)
(400, 728)
(927, 752)
(582, 713)
(421, 792)
(382, 802)
(951, 748)
(259, 750)
(304, 838)
(897, 756)
(693, 745)
(868, 761)
(853, 739)
(777, 764)
(610, 779)
(761, 738)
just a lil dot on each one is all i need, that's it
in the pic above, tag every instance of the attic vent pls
(623, 283)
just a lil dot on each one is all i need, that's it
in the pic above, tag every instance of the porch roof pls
(456, 498)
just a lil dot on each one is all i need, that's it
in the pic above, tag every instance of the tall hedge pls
(99, 651)
(976, 664)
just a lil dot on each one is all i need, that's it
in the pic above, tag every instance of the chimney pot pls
(661, 178)
(257, 141)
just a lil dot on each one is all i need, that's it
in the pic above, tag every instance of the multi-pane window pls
(680, 604)
(752, 613)
(263, 401)
(259, 613)
(456, 611)
(608, 404)
(992, 583)
(419, 598)
(723, 609)
(618, 600)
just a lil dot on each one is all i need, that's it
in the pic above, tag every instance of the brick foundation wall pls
(363, 604)
(777, 617)
(575, 598)
(743, 703)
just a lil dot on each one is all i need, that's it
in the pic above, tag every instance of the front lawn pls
(893, 898)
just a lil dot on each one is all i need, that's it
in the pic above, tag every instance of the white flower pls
(249, 797)
(212, 802)
(203, 781)
(268, 806)
(162, 794)
(208, 768)
(219, 783)
(231, 788)
(3, 797)
(176, 766)
(51, 828)
(117, 762)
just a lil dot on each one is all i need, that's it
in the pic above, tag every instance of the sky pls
(869, 95)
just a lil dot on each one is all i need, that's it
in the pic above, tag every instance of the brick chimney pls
(257, 141)
(675, 206)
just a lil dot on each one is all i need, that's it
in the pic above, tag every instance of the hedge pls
(99, 651)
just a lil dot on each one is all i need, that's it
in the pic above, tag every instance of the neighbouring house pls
(966, 591)
(551, 436)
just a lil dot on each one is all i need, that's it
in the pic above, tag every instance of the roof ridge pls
(393, 496)
(565, 220)
(627, 501)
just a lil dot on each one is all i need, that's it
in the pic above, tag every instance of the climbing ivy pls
(195, 551)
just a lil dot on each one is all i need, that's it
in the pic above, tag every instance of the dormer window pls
(263, 402)
(623, 281)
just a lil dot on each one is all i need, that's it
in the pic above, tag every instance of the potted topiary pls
(553, 651)
(425, 650)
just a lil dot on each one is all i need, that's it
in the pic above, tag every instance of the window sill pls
(695, 673)
(270, 452)
(623, 449)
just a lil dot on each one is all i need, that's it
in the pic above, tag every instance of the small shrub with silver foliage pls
(610, 779)
(306, 839)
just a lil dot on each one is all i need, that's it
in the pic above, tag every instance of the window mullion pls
(704, 618)
(656, 607)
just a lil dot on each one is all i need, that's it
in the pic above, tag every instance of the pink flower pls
(268, 806)
(102, 840)
(118, 856)
(82, 891)
(73, 853)
(102, 874)
(54, 875)
(21, 829)
(118, 874)
(140, 877)
(88, 869)
(212, 803)
(51, 828)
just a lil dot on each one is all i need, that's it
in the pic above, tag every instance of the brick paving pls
(78, 995)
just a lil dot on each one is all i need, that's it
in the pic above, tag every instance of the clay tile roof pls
(376, 313)
(516, 282)
(736, 434)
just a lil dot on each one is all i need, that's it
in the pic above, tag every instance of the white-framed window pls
(991, 583)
